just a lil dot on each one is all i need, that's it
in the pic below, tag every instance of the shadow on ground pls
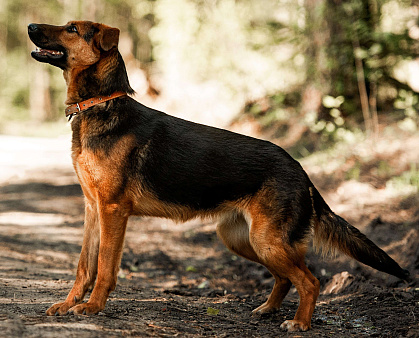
(178, 279)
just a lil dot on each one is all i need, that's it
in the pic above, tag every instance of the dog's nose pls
(32, 27)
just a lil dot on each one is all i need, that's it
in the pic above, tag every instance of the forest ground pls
(178, 279)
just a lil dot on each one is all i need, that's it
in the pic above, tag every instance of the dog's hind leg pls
(286, 262)
(233, 230)
(274, 301)
(87, 267)
(308, 288)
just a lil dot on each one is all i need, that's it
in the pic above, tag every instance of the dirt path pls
(175, 279)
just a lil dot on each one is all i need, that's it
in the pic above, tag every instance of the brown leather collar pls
(74, 109)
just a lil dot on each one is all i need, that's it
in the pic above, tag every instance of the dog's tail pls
(332, 233)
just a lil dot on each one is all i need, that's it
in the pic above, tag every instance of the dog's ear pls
(108, 37)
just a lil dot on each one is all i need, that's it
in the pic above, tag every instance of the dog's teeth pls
(46, 51)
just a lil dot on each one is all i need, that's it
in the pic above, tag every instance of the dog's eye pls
(72, 29)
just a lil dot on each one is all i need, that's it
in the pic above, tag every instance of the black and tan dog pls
(133, 160)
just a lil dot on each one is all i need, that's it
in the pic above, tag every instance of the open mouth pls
(47, 53)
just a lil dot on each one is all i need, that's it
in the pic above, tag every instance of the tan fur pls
(248, 226)
(233, 230)
(323, 244)
(82, 54)
(286, 263)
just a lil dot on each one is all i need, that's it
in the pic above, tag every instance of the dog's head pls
(77, 44)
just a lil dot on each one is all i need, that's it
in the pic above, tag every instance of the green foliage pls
(274, 108)
(407, 102)
(242, 46)
(248, 50)
(354, 172)
(376, 35)
(369, 31)
(15, 95)
(408, 182)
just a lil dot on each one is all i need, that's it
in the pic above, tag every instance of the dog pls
(133, 160)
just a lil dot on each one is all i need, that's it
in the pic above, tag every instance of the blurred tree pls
(233, 51)
(362, 54)
(284, 58)
(36, 92)
(352, 51)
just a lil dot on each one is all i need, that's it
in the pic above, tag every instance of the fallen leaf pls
(191, 268)
(203, 285)
(213, 312)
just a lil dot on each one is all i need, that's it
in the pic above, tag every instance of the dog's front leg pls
(87, 267)
(113, 220)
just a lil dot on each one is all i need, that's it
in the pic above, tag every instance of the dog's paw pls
(294, 325)
(59, 309)
(86, 309)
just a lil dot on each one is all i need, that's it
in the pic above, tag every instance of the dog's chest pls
(100, 170)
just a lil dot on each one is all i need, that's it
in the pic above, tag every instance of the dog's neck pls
(115, 80)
